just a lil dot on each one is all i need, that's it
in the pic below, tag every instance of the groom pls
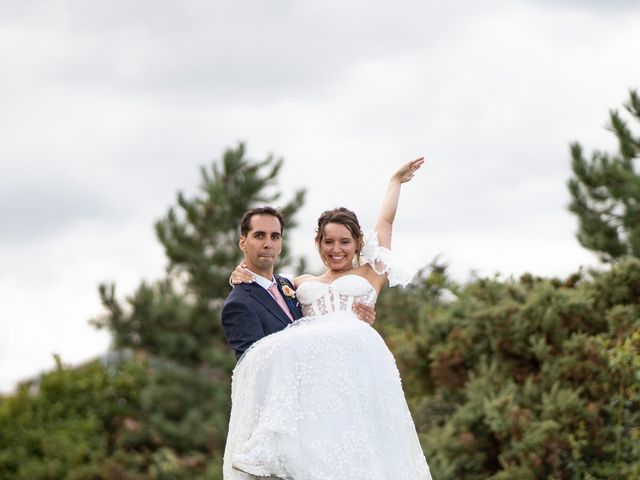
(254, 310)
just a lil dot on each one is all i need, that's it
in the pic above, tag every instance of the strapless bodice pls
(318, 298)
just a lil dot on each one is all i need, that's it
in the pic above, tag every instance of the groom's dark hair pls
(245, 223)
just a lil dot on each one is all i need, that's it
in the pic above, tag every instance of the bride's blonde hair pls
(342, 216)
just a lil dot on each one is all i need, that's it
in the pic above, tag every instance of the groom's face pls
(262, 244)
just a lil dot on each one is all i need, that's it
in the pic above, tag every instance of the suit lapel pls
(265, 298)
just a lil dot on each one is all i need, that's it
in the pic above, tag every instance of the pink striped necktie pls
(277, 296)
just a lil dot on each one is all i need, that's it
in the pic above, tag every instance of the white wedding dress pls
(322, 399)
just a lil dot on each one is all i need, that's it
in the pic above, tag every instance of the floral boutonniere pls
(286, 289)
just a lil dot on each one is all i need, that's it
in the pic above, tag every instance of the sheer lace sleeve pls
(383, 260)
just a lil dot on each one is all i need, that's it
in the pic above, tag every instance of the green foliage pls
(531, 378)
(605, 191)
(68, 423)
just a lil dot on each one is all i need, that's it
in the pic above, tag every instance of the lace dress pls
(322, 399)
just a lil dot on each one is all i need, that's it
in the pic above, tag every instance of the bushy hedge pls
(112, 422)
(69, 423)
(523, 379)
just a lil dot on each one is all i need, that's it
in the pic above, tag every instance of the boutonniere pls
(288, 291)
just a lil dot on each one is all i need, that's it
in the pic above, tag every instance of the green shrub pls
(530, 378)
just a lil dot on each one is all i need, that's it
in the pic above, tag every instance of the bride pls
(322, 399)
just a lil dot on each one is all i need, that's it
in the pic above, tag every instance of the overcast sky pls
(108, 109)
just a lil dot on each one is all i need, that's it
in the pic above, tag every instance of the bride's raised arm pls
(381, 264)
(384, 224)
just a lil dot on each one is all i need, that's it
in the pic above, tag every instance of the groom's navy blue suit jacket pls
(250, 313)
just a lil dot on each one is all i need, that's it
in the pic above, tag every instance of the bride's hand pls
(241, 275)
(408, 170)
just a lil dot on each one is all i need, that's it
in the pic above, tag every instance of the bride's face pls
(338, 247)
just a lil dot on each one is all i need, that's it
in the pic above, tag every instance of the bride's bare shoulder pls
(378, 281)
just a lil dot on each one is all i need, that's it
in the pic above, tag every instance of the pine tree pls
(201, 241)
(177, 317)
(605, 191)
(175, 322)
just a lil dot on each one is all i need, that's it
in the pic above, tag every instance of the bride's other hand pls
(242, 275)
(366, 313)
(408, 170)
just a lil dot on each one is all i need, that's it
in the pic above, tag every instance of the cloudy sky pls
(110, 108)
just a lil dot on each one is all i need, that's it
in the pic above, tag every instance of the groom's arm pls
(241, 326)
(365, 312)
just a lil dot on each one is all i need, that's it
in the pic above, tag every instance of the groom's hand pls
(366, 313)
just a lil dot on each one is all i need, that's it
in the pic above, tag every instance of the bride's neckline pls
(337, 279)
